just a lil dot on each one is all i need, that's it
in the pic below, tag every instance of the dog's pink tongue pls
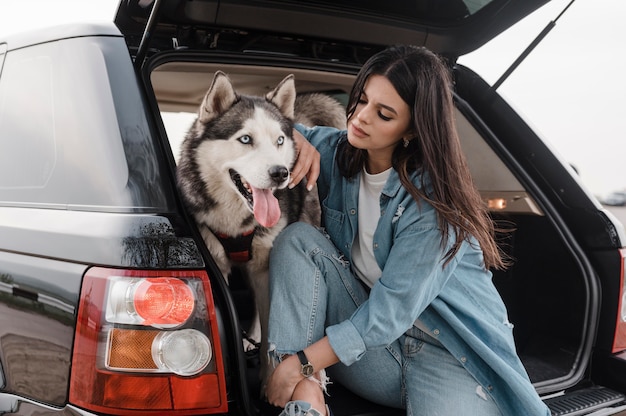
(266, 209)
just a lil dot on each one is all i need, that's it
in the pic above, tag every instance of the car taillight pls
(619, 341)
(147, 343)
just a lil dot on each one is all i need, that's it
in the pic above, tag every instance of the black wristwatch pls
(307, 368)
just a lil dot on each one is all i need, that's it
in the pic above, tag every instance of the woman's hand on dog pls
(307, 162)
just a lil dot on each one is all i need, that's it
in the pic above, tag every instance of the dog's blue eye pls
(280, 141)
(245, 139)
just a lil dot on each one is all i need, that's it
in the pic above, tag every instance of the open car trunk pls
(547, 299)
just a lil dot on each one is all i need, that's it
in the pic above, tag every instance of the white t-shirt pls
(363, 260)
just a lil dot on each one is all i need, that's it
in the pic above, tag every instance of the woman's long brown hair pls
(424, 82)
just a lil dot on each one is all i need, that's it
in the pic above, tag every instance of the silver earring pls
(405, 142)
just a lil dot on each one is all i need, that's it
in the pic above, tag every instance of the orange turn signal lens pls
(130, 350)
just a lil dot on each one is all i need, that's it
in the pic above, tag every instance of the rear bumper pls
(610, 370)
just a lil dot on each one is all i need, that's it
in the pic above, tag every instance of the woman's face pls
(381, 119)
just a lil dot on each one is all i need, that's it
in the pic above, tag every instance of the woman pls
(395, 297)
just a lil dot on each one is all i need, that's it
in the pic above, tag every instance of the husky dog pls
(233, 173)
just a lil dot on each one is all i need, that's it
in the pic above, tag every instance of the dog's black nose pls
(279, 173)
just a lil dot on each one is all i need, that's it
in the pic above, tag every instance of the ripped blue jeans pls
(312, 286)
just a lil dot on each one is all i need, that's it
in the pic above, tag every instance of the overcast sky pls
(572, 88)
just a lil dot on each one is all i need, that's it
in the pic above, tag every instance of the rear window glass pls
(74, 132)
(26, 93)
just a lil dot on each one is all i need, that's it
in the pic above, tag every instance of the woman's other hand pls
(283, 381)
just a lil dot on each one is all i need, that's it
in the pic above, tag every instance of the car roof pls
(449, 27)
(57, 32)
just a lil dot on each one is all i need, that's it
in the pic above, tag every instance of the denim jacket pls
(457, 304)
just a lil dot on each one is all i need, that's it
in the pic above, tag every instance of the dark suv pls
(93, 231)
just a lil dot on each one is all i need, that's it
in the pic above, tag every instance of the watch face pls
(307, 370)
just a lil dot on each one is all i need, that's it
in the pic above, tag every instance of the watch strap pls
(302, 357)
(306, 368)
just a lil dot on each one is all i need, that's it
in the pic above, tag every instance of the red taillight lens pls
(147, 343)
(162, 302)
(619, 341)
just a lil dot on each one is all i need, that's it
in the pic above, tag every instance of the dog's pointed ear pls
(219, 98)
(284, 96)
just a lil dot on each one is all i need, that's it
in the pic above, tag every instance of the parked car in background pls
(617, 198)
(91, 222)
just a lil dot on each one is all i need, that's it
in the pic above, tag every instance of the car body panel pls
(43, 293)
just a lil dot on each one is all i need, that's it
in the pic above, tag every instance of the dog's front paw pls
(249, 343)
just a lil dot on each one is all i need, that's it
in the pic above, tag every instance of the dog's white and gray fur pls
(236, 156)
